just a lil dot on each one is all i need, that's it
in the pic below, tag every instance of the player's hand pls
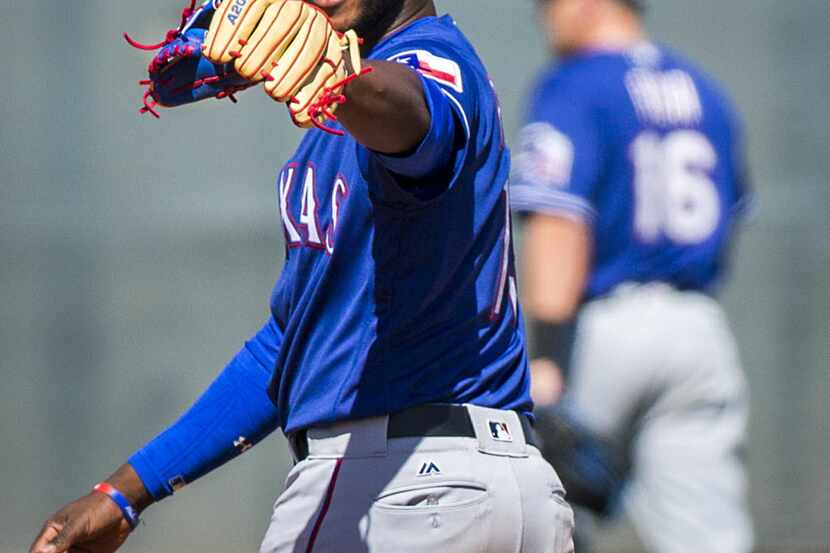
(91, 524)
(291, 46)
(546, 381)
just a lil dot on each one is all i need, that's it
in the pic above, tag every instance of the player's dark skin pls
(392, 94)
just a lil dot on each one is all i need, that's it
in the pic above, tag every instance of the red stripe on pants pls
(325, 509)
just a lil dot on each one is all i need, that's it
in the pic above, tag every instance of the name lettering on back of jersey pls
(442, 70)
(644, 54)
(664, 98)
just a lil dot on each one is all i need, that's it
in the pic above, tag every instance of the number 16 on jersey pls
(675, 195)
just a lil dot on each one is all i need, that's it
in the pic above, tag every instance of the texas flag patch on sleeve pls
(442, 70)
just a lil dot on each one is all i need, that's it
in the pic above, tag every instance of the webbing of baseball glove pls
(179, 73)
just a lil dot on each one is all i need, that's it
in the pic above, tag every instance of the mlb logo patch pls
(499, 431)
(442, 70)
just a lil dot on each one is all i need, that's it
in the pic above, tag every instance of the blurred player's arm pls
(557, 253)
(556, 257)
(230, 417)
(556, 171)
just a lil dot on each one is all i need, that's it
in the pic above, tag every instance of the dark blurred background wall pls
(134, 260)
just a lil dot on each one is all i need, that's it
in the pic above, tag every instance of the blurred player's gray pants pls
(661, 366)
(359, 492)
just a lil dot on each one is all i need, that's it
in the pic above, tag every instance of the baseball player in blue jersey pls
(394, 358)
(629, 176)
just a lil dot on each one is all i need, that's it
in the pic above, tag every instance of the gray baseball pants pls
(359, 492)
(661, 366)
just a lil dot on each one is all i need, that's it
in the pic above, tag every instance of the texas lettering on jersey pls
(302, 223)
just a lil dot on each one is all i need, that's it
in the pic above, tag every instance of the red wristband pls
(129, 512)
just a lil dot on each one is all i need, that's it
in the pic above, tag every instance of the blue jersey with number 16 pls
(645, 149)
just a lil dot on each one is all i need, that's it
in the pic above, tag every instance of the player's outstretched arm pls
(230, 417)
(385, 110)
(304, 62)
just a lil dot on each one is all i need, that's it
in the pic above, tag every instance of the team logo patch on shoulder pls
(499, 431)
(545, 155)
(442, 70)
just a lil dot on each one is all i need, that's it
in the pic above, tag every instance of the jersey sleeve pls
(230, 417)
(450, 87)
(435, 149)
(559, 155)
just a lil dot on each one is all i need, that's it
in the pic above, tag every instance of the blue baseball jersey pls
(398, 286)
(644, 148)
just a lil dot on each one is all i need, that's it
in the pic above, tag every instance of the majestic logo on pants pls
(428, 469)
(500, 432)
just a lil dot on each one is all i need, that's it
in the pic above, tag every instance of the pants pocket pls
(563, 541)
(432, 495)
(425, 518)
(548, 519)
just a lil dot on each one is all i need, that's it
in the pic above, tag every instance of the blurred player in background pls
(630, 176)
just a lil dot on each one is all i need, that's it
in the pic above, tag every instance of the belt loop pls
(358, 438)
(298, 445)
(498, 432)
